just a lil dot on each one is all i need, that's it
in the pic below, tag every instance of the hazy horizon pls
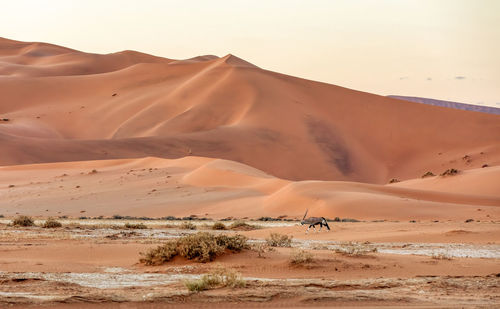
(444, 50)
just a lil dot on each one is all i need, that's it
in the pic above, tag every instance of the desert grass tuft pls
(242, 226)
(219, 277)
(300, 257)
(261, 249)
(137, 226)
(187, 226)
(279, 240)
(355, 249)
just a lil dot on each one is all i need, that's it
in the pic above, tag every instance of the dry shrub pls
(219, 277)
(51, 223)
(355, 249)
(279, 240)
(301, 257)
(160, 255)
(428, 174)
(138, 226)
(219, 226)
(187, 226)
(202, 246)
(450, 172)
(23, 221)
(234, 243)
(262, 248)
(242, 226)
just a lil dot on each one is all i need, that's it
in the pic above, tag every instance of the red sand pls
(66, 105)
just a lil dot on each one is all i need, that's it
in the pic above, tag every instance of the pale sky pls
(442, 49)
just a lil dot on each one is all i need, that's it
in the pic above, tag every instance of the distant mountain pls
(456, 105)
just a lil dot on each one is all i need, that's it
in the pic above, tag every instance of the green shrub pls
(219, 226)
(51, 223)
(187, 226)
(23, 221)
(139, 226)
(279, 240)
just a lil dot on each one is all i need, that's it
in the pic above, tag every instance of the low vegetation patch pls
(280, 218)
(202, 246)
(51, 223)
(337, 219)
(279, 240)
(119, 217)
(160, 255)
(355, 249)
(301, 257)
(187, 226)
(219, 226)
(217, 278)
(262, 248)
(23, 221)
(138, 226)
(428, 174)
(441, 256)
(450, 172)
(234, 243)
(242, 226)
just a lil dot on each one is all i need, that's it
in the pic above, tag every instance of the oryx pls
(313, 221)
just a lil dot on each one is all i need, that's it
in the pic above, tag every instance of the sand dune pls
(218, 188)
(65, 105)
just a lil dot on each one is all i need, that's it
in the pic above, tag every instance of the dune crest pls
(82, 106)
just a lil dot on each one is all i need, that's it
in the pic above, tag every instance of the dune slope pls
(218, 188)
(66, 105)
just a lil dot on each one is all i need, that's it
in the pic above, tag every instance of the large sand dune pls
(65, 105)
(218, 188)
